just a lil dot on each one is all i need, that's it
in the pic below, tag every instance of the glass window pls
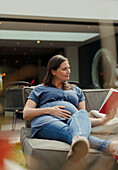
(26, 46)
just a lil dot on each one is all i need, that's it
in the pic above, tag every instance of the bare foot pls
(113, 147)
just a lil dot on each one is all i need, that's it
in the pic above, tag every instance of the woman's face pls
(62, 73)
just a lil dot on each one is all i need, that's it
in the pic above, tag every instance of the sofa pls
(42, 154)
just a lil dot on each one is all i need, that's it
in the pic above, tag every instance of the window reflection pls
(25, 60)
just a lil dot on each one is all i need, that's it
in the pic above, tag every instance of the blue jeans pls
(77, 125)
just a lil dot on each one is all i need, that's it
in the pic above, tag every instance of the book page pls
(107, 96)
(95, 113)
(110, 103)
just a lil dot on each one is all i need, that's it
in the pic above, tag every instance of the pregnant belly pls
(68, 106)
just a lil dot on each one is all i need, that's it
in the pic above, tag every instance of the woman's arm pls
(81, 105)
(30, 111)
(95, 121)
(101, 121)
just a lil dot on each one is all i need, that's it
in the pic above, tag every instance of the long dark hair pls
(54, 63)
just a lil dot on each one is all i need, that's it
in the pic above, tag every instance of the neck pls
(58, 84)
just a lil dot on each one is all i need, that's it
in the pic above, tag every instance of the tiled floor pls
(6, 127)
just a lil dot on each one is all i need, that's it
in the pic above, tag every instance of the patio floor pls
(6, 127)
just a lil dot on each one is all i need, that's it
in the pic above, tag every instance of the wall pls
(72, 54)
(86, 55)
(76, 9)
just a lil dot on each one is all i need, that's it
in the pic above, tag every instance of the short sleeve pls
(80, 94)
(35, 94)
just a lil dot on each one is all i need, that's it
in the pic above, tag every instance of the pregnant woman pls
(57, 111)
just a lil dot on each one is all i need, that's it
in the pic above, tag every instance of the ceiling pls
(15, 48)
(52, 27)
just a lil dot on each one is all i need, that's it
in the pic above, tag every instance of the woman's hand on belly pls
(59, 111)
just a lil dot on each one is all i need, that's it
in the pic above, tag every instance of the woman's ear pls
(53, 72)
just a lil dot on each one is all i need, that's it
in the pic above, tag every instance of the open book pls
(110, 104)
